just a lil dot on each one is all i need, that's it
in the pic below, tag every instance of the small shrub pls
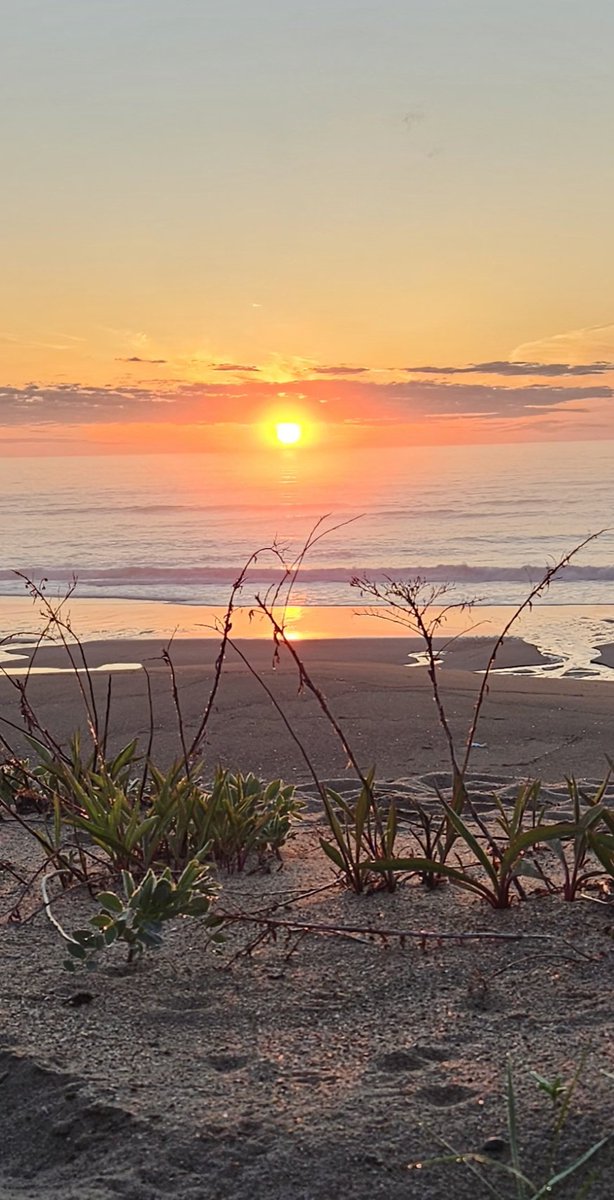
(137, 918)
(240, 816)
(173, 820)
(246, 816)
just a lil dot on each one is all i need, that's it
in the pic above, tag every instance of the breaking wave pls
(153, 575)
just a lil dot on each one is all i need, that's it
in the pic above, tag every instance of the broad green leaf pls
(533, 837)
(333, 854)
(433, 867)
(128, 883)
(110, 901)
(76, 951)
(362, 811)
(101, 921)
(82, 936)
(391, 827)
(124, 757)
(470, 840)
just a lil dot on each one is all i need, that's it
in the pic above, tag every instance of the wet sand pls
(606, 655)
(539, 726)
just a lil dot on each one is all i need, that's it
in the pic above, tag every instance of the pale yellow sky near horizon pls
(239, 197)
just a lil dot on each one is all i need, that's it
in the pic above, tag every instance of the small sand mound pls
(51, 1126)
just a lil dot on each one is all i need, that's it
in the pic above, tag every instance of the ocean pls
(177, 529)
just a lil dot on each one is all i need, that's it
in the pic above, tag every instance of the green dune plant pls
(601, 841)
(489, 860)
(554, 1175)
(137, 917)
(577, 862)
(240, 816)
(355, 839)
(495, 865)
(123, 805)
(175, 819)
(94, 797)
(423, 609)
(492, 859)
(428, 830)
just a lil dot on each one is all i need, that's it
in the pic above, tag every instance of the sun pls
(288, 432)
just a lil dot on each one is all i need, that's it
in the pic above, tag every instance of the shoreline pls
(465, 653)
(556, 641)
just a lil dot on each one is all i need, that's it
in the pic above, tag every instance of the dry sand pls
(322, 1068)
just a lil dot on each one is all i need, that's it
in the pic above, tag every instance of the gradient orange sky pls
(390, 220)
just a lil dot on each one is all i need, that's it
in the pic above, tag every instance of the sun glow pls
(288, 432)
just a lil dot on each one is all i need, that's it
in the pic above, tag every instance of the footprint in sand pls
(420, 1058)
(399, 1060)
(227, 1062)
(413, 1058)
(446, 1095)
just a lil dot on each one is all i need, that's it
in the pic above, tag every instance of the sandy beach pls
(530, 726)
(314, 1065)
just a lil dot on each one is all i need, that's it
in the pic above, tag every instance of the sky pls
(388, 219)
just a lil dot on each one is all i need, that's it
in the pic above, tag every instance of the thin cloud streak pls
(586, 345)
(239, 368)
(248, 401)
(339, 370)
(507, 368)
(134, 358)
